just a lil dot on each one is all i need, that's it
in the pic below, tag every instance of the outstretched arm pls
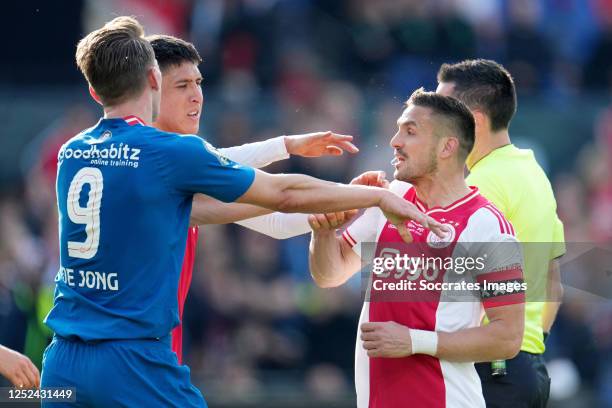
(554, 296)
(332, 260)
(300, 193)
(208, 210)
(261, 154)
(258, 154)
(278, 225)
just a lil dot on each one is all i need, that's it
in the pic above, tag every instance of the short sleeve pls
(501, 279)
(363, 229)
(192, 165)
(499, 257)
(558, 240)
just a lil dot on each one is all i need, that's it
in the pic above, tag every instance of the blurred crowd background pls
(257, 329)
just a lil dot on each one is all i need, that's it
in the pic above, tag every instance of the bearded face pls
(415, 145)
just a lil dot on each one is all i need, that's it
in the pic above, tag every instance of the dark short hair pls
(485, 85)
(454, 112)
(115, 59)
(172, 51)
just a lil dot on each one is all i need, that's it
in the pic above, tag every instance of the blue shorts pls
(119, 373)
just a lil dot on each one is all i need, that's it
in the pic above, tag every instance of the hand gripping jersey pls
(124, 194)
(480, 232)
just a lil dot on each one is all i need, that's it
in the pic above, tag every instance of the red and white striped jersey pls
(183, 289)
(422, 380)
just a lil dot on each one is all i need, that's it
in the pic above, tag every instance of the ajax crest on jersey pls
(435, 241)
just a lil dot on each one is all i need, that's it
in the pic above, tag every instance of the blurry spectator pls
(598, 69)
(159, 16)
(528, 54)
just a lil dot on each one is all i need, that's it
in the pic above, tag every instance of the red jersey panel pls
(183, 289)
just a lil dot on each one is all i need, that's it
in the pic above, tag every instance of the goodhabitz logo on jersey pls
(116, 155)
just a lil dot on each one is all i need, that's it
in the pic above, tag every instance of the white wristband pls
(424, 342)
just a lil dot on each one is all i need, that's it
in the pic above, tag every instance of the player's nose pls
(195, 98)
(395, 141)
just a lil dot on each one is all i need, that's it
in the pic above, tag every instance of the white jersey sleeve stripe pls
(350, 238)
(511, 227)
(420, 206)
(363, 229)
(505, 221)
(500, 219)
(347, 237)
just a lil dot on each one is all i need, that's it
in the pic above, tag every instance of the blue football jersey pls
(124, 193)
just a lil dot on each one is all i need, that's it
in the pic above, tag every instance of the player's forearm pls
(278, 225)
(310, 195)
(497, 340)
(235, 212)
(328, 266)
(207, 210)
(554, 296)
(549, 315)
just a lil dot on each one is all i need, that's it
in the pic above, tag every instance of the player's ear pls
(481, 120)
(94, 95)
(449, 147)
(154, 77)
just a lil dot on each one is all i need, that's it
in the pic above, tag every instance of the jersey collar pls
(458, 203)
(133, 120)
